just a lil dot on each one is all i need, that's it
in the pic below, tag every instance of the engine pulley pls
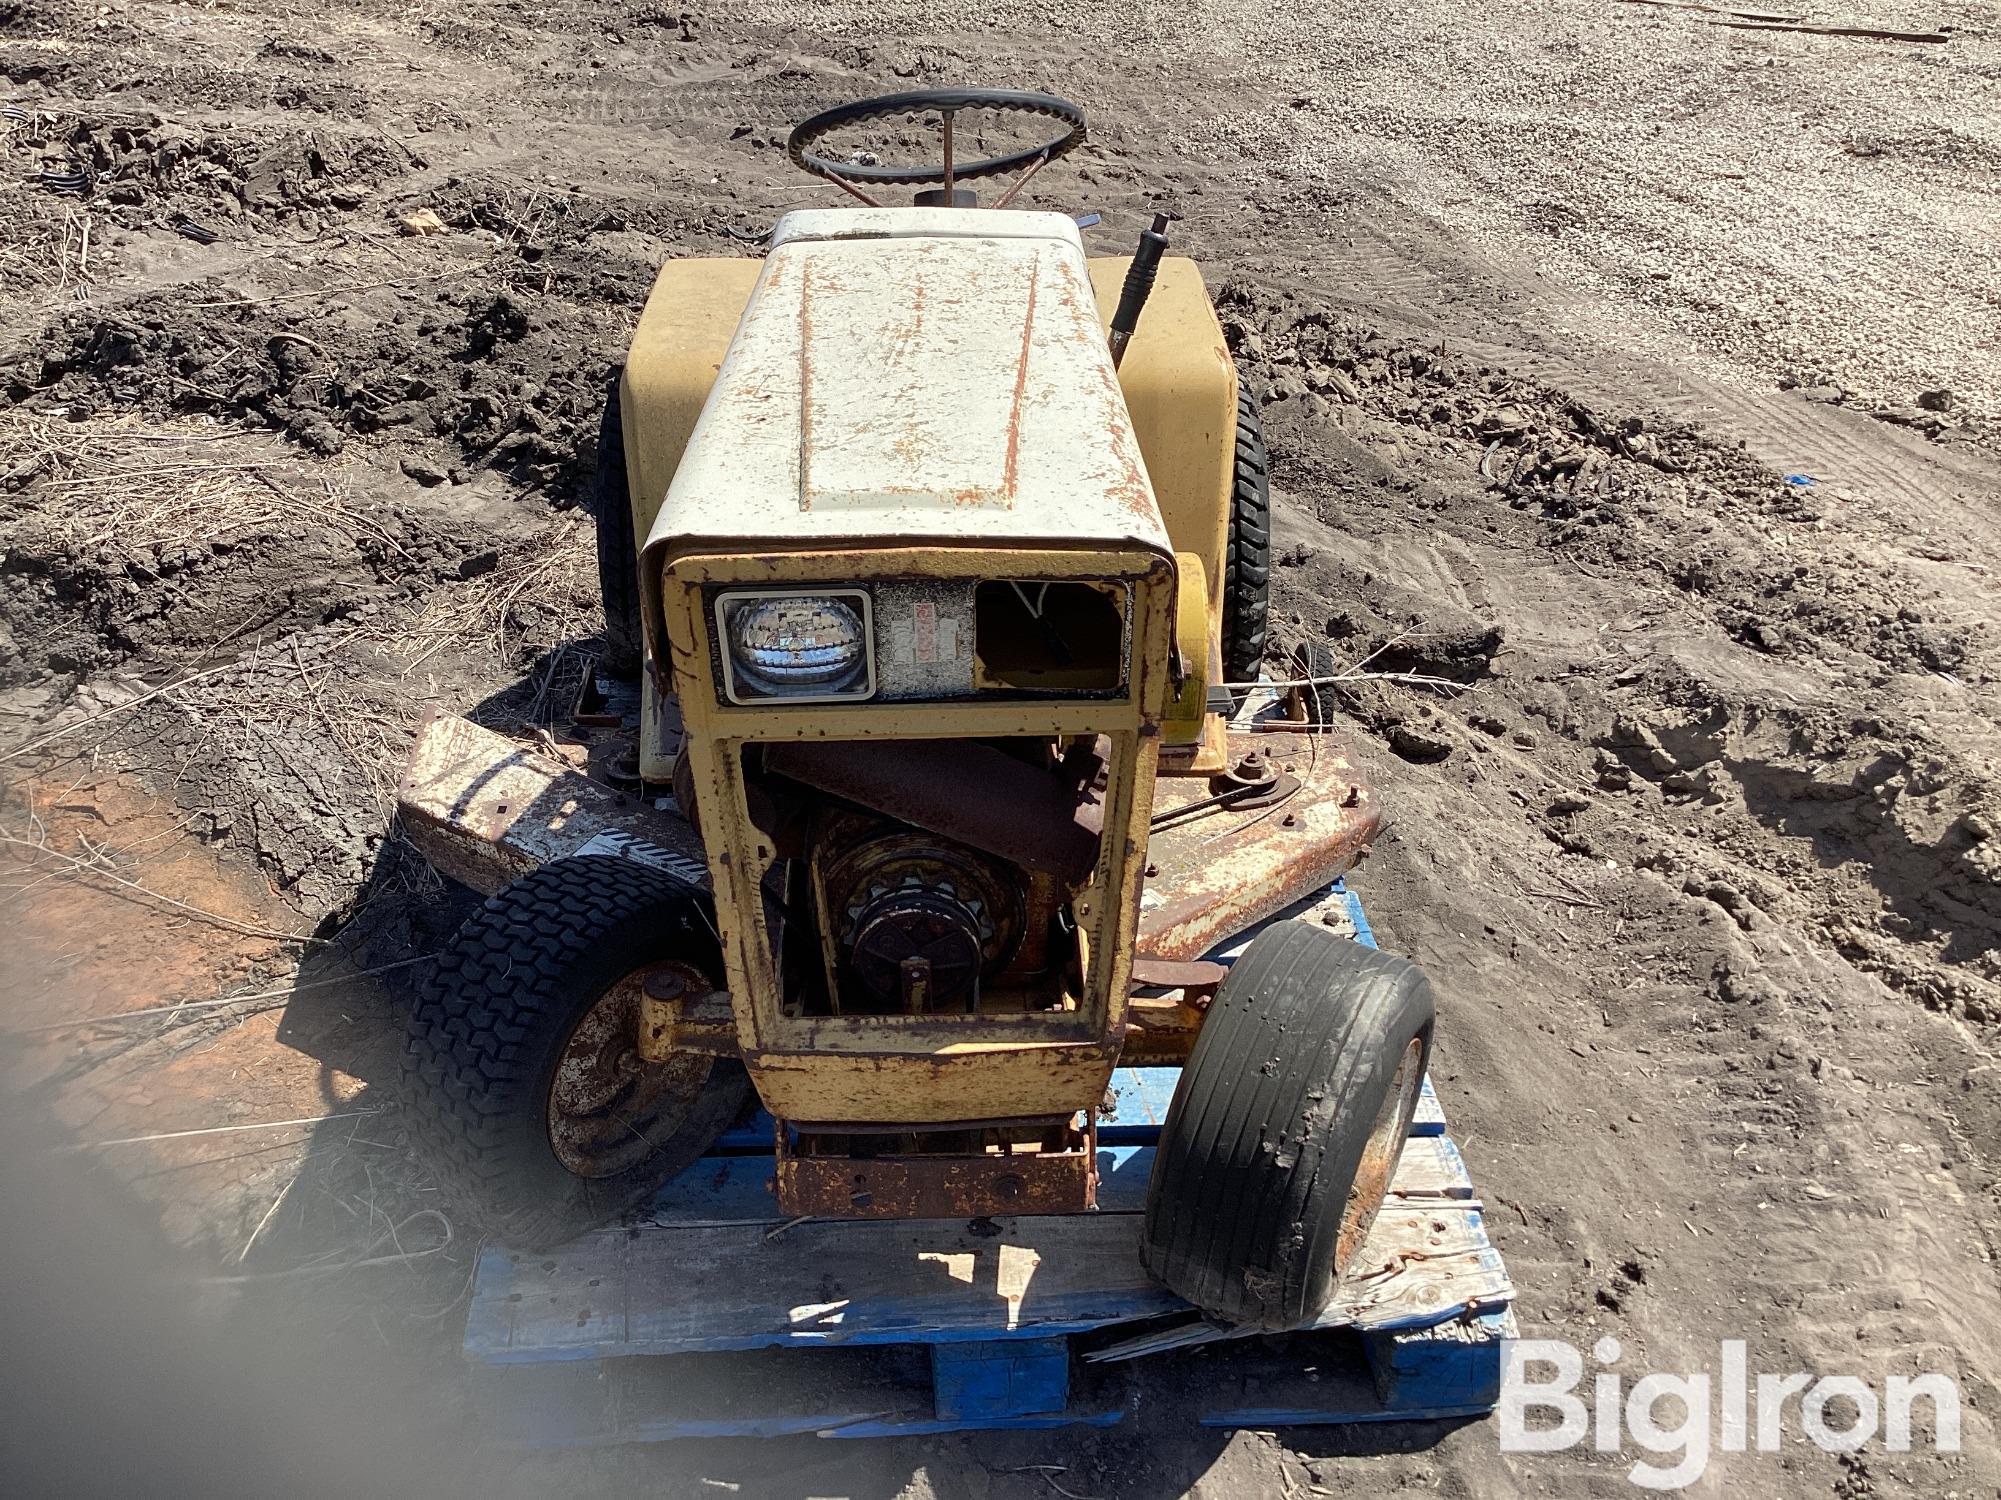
(917, 921)
(917, 950)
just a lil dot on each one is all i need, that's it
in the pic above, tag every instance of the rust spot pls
(1010, 469)
(839, 1186)
(1223, 871)
(805, 385)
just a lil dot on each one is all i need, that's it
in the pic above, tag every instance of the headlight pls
(810, 647)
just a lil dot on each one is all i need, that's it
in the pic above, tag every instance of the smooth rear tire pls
(1287, 1126)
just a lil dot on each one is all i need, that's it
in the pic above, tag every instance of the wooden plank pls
(824, 1392)
(1418, 1267)
(1430, 1116)
(828, 1420)
(1141, 1097)
(847, 1283)
(1430, 1374)
(1314, 1416)
(1431, 1170)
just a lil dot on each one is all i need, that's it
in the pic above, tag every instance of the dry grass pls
(542, 593)
(46, 241)
(131, 486)
(124, 482)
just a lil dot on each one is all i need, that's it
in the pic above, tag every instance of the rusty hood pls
(918, 376)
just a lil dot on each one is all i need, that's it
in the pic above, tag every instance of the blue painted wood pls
(1001, 1378)
(1364, 933)
(1447, 1371)
(1447, 1365)
(918, 1428)
(734, 1189)
(828, 1393)
(755, 1134)
(553, 1432)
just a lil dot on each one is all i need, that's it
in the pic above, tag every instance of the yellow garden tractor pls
(939, 549)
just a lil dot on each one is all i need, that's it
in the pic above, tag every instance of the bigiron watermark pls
(1678, 1421)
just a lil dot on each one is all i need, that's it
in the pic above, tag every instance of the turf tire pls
(490, 1025)
(618, 547)
(1247, 553)
(1314, 664)
(1294, 1067)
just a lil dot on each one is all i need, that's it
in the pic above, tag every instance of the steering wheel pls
(946, 102)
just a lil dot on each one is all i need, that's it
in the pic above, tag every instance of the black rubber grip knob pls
(1140, 276)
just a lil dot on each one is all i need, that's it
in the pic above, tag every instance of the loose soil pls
(1631, 376)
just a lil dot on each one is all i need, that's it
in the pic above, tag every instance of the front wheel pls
(523, 1088)
(1286, 1126)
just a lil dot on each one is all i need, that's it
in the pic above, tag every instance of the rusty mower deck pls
(709, 1315)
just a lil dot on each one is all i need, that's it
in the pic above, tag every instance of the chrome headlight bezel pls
(741, 683)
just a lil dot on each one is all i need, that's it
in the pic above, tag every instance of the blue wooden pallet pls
(690, 1320)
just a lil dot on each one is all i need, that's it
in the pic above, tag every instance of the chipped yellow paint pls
(1195, 641)
(1181, 389)
(683, 334)
(923, 1068)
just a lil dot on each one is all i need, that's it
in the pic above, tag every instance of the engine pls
(937, 874)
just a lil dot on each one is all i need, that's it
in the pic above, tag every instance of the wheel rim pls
(1379, 1156)
(609, 1109)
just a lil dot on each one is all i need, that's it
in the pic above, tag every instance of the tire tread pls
(502, 995)
(1252, 1173)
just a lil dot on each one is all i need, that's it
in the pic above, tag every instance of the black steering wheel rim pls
(810, 132)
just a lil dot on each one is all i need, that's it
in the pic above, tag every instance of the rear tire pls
(1286, 1126)
(1315, 665)
(509, 997)
(618, 547)
(1247, 556)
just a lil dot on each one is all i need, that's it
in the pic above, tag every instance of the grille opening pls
(1049, 637)
(930, 877)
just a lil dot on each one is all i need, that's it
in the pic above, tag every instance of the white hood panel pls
(912, 375)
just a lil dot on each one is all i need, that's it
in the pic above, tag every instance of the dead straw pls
(84, 869)
(554, 573)
(117, 1017)
(182, 1135)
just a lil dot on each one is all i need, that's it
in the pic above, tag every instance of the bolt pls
(665, 985)
(1152, 870)
(1288, 821)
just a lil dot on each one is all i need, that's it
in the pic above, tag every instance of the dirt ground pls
(1636, 372)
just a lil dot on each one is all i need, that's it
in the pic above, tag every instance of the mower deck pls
(709, 1315)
